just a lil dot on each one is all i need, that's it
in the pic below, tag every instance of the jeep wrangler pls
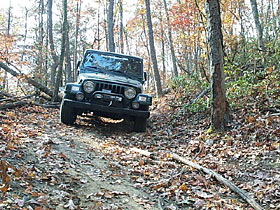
(109, 85)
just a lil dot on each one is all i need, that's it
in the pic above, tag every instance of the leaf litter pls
(97, 164)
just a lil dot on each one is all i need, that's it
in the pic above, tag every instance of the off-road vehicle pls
(109, 85)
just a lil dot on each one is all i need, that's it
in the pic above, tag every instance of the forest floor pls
(96, 163)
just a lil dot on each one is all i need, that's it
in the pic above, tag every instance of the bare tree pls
(153, 50)
(77, 28)
(175, 70)
(5, 81)
(257, 23)
(110, 20)
(62, 53)
(25, 32)
(219, 107)
(121, 26)
(68, 69)
(51, 43)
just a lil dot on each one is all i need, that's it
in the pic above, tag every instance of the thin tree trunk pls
(25, 33)
(175, 70)
(121, 26)
(110, 20)
(162, 50)
(98, 27)
(40, 41)
(5, 82)
(46, 55)
(153, 50)
(77, 28)
(52, 48)
(145, 43)
(68, 75)
(242, 32)
(106, 26)
(257, 23)
(62, 53)
(219, 107)
(127, 43)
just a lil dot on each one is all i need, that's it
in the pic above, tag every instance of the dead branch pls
(28, 80)
(20, 102)
(204, 92)
(12, 105)
(17, 98)
(221, 179)
(53, 106)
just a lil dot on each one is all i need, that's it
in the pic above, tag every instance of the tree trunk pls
(153, 50)
(68, 70)
(25, 33)
(219, 109)
(121, 26)
(52, 49)
(257, 23)
(175, 70)
(98, 26)
(5, 81)
(110, 20)
(62, 53)
(27, 79)
(162, 50)
(40, 41)
(75, 62)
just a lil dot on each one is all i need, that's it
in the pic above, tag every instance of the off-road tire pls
(67, 114)
(140, 124)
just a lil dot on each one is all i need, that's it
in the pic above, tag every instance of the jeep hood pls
(124, 80)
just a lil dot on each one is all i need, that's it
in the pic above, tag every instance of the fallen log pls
(53, 106)
(28, 80)
(12, 105)
(17, 98)
(221, 179)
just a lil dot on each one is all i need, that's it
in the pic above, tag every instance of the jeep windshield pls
(97, 61)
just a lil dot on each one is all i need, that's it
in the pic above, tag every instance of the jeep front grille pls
(107, 86)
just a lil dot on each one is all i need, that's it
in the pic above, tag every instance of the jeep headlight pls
(88, 86)
(130, 93)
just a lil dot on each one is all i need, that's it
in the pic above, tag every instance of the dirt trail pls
(62, 168)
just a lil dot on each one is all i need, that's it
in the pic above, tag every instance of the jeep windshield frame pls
(112, 63)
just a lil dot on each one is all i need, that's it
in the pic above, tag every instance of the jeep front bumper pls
(106, 109)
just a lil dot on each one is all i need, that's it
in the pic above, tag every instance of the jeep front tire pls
(140, 124)
(67, 114)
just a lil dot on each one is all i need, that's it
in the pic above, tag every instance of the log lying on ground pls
(221, 179)
(28, 80)
(16, 98)
(17, 103)
(13, 105)
(53, 106)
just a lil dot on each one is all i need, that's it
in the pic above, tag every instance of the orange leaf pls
(183, 187)
(4, 189)
(141, 162)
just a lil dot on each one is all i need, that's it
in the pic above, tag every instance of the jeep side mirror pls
(145, 76)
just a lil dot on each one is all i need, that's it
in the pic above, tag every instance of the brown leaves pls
(5, 177)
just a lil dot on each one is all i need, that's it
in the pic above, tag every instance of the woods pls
(212, 68)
